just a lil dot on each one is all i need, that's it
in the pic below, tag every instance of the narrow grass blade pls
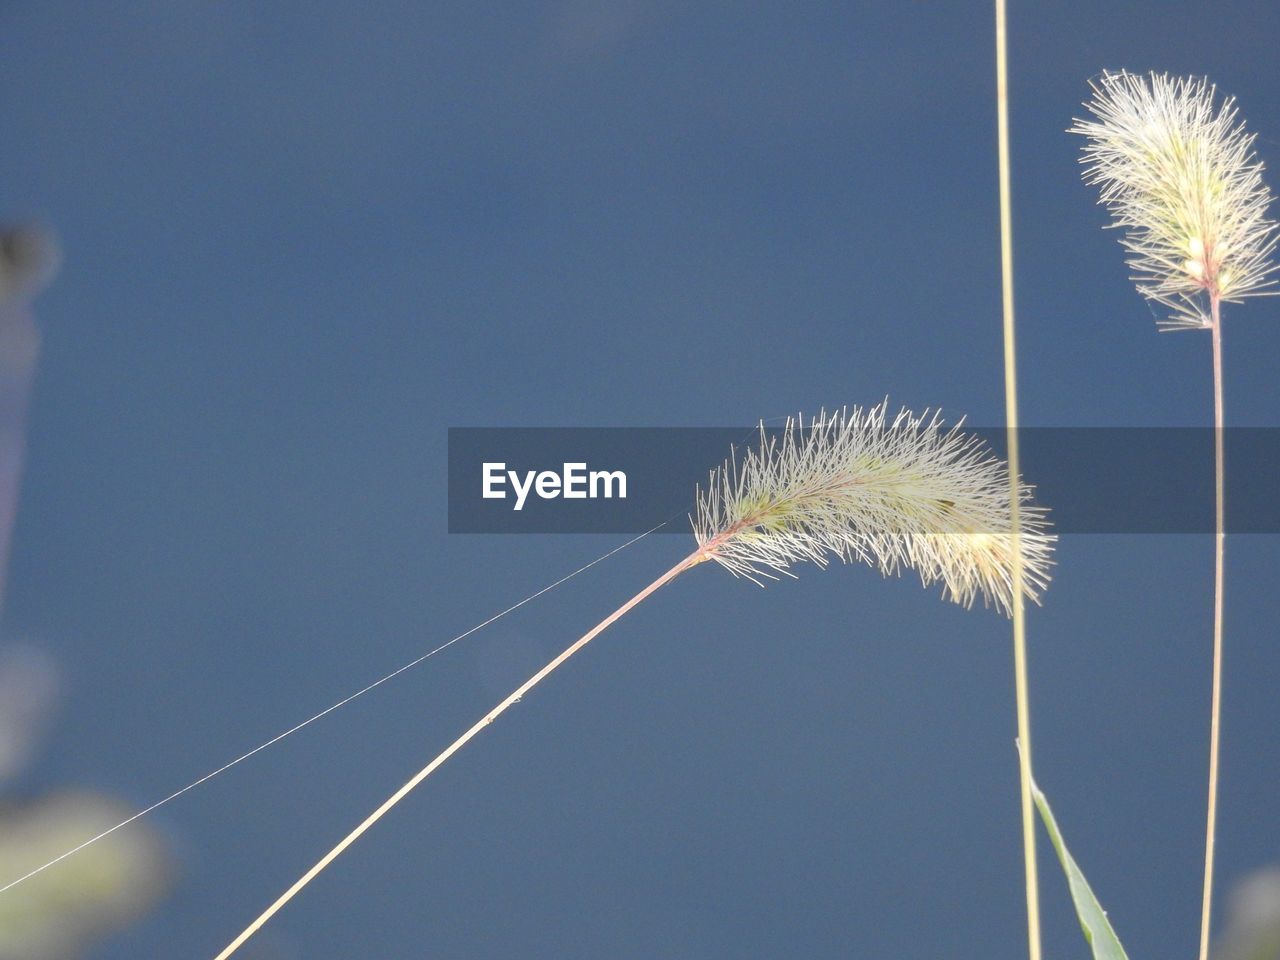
(1093, 919)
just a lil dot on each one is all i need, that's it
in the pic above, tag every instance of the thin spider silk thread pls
(323, 713)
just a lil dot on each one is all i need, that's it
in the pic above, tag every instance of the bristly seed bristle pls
(1180, 176)
(897, 493)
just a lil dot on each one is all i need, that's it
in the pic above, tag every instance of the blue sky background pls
(301, 243)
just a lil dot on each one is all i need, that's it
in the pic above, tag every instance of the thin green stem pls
(693, 559)
(1220, 541)
(1031, 877)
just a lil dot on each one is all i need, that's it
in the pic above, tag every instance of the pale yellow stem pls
(1011, 427)
(697, 557)
(1215, 709)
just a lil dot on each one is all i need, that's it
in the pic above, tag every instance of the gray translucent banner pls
(1091, 480)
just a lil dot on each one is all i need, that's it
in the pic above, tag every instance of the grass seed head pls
(1179, 175)
(890, 492)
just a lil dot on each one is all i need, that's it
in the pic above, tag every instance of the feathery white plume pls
(1180, 175)
(896, 493)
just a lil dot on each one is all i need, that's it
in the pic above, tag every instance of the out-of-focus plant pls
(1253, 919)
(29, 258)
(63, 911)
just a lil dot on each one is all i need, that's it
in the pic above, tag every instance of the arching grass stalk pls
(1179, 174)
(1031, 882)
(853, 485)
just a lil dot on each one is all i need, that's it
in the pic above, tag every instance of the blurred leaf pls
(1097, 928)
(64, 911)
(1253, 919)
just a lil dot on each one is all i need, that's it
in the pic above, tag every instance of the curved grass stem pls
(694, 558)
